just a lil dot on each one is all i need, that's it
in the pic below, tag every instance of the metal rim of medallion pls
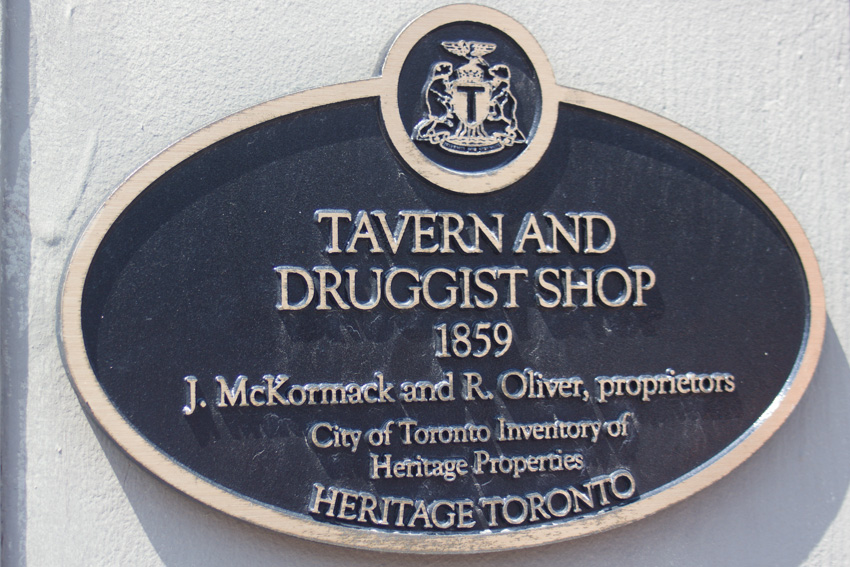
(218, 497)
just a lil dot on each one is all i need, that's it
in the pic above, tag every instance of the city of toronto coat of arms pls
(469, 110)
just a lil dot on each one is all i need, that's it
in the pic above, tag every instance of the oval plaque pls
(454, 308)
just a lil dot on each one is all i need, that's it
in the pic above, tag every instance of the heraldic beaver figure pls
(439, 122)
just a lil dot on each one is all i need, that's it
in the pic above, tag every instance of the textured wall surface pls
(93, 88)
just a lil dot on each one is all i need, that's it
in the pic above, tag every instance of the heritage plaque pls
(453, 308)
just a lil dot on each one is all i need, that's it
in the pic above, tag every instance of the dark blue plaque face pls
(390, 345)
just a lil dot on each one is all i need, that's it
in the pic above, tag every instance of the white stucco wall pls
(92, 88)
